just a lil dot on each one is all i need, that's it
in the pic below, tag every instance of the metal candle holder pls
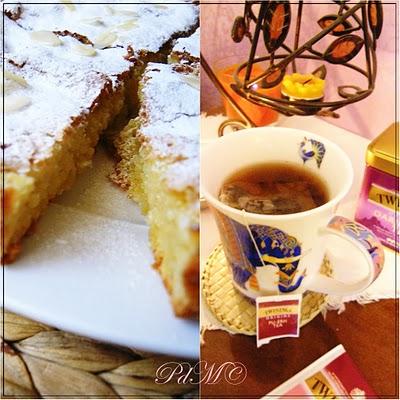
(353, 28)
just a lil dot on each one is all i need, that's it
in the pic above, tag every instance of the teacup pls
(278, 254)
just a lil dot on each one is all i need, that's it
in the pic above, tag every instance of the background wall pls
(367, 118)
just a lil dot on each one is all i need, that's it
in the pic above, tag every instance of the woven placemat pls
(232, 309)
(40, 361)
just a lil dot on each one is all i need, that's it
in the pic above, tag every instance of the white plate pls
(87, 269)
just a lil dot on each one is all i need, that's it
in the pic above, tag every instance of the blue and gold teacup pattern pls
(311, 149)
(264, 259)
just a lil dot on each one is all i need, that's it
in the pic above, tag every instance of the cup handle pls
(366, 242)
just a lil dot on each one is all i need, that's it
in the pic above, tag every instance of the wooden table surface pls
(369, 333)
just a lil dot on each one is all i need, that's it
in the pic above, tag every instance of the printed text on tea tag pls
(277, 317)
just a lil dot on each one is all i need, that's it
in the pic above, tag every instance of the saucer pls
(232, 309)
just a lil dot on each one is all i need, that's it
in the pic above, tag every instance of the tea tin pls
(379, 198)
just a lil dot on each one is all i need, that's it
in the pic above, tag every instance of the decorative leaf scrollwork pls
(343, 49)
(273, 77)
(349, 91)
(375, 17)
(342, 29)
(276, 24)
(327, 113)
(239, 29)
(320, 72)
(249, 11)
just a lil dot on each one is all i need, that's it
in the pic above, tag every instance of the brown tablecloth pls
(369, 333)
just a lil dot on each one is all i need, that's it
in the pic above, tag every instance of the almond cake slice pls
(159, 167)
(55, 110)
(70, 70)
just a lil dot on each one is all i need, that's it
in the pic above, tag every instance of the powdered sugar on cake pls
(189, 45)
(45, 88)
(170, 122)
(32, 129)
(167, 95)
(141, 26)
(52, 79)
(64, 57)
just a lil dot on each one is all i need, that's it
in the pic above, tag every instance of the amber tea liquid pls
(274, 188)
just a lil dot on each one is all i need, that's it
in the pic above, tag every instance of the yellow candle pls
(303, 86)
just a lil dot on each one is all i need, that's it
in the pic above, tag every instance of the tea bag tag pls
(277, 317)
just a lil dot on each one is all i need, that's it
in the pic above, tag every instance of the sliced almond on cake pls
(68, 4)
(46, 37)
(192, 80)
(105, 39)
(83, 50)
(15, 102)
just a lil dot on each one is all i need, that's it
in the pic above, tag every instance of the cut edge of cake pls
(158, 167)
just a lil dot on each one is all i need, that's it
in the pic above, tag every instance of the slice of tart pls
(159, 164)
